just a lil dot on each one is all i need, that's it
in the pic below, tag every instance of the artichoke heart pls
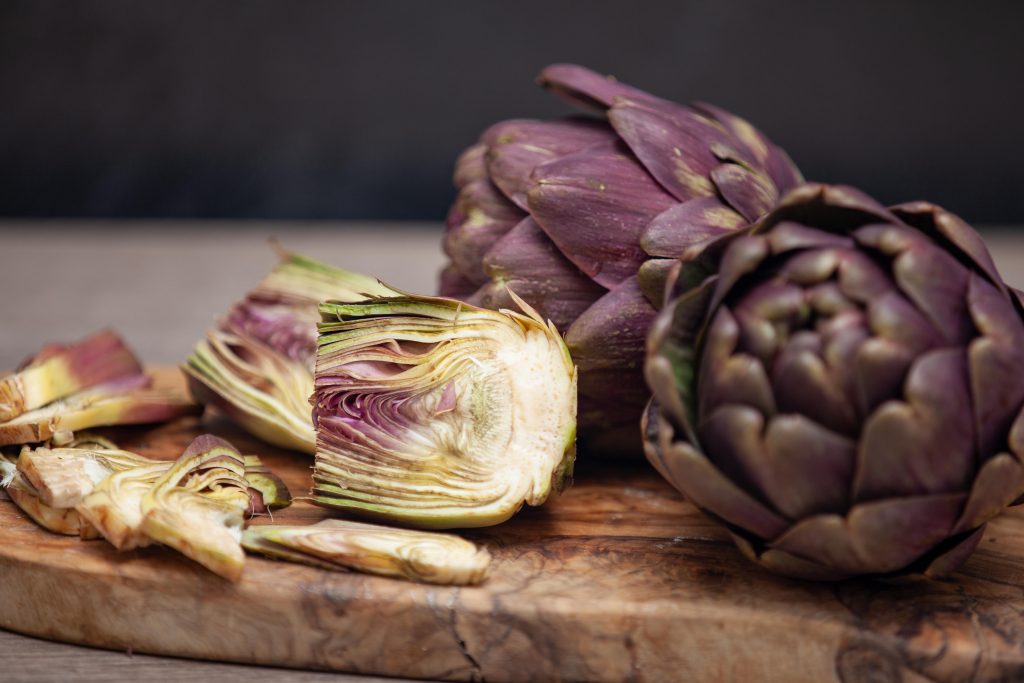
(256, 366)
(437, 414)
(423, 556)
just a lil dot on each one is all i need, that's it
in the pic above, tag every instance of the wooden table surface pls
(160, 284)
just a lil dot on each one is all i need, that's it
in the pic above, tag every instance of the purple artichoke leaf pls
(515, 148)
(993, 357)
(705, 485)
(999, 482)
(672, 142)
(455, 285)
(479, 218)
(951, 554)
(653, 278)
(926, 444)
(594, 205)
(877, 537)
(951, 231)
(527, 262)
(585, 87)
(751, 194)
(683, 226)
(470, 166)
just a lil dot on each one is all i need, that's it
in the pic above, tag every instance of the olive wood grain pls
(618, 579)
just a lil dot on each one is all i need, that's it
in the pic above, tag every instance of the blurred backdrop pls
(341, 110)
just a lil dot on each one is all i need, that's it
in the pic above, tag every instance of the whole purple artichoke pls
(583, 217)
(840, 386)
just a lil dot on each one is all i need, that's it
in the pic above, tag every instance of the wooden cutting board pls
(616, 580)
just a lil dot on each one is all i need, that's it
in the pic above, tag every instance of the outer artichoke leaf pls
(673, 143)
(583, 86)
(515, 148)
(440, 414)
(684, 225)
(421, 556)
(878, 537)
(526, 261)
(950, 229)
(477, 220)
(595, 205)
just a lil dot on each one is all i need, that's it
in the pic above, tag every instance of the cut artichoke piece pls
(114, 507)
(124, 401)
(91, 441)
(58, 520)
(427, 557)
(438, 414)
(273, 493)
(198, 506)
(63, 477)
(261, 389)
(257, 366)
(60, 371)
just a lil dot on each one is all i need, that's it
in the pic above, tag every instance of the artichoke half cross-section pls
(434, 413)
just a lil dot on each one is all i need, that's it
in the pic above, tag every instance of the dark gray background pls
(357, 109)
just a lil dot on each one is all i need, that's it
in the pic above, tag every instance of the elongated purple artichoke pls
(583, 217)
(841, 387)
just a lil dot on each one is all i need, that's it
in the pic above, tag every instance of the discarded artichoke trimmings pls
(59, 371)
(122, 402)
(198, 506)
(841, 386)
(61, 478)
(422, 556)
(439, 414)
(257, 365)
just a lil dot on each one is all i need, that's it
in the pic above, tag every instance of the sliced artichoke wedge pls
(198, 506)
(437, 414)
(123, 402)
(422, 556)
(257, 365)
(59, 371)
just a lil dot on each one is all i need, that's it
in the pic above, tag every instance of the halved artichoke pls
(438, 414)
(257, 365)
(427, 557)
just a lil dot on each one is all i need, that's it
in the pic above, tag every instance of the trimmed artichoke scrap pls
(198, 506)
(256, 366)
(583, 217)
(53, 483)
(426, 557)
(438, 414)
(96, 382)
(59, 371)
(841, 387)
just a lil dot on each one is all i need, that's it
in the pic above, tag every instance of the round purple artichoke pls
(840, 386)
(583, 217)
